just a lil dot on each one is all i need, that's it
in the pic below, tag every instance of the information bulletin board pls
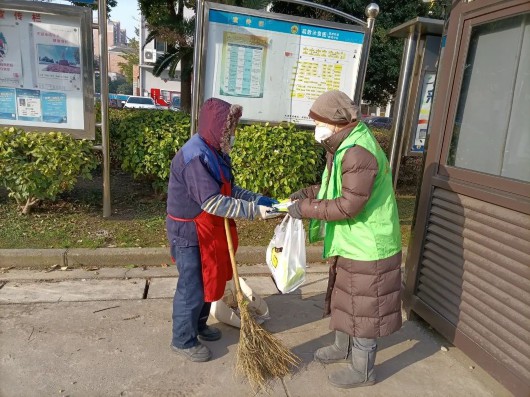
(275, 65)
(46, 72)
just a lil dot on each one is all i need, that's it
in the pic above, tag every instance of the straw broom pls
(261, 357)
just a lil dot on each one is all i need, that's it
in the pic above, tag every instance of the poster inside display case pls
(46, 68)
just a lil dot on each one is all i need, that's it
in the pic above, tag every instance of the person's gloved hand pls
(264, 212)
(294, 210)
(266, 201)
(297, 195)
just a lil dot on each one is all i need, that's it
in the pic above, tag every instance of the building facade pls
(117, 46)
(116, 37)
(162, 88)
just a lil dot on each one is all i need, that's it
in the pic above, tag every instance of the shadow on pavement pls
(411, 333)
(294, 313)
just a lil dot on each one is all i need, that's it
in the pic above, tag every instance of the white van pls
(140, 102)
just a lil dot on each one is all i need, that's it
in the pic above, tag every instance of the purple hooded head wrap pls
(217, 120)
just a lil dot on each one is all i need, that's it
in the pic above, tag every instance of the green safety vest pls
(375, 232)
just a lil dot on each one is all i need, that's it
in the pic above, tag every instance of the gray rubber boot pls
(338, 352)
(360, 373)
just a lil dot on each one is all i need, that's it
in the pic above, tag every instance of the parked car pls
(140, 102)
(379, 122)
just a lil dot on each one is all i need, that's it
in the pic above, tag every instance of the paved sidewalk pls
(107, 334)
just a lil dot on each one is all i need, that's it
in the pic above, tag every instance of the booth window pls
(491, 132)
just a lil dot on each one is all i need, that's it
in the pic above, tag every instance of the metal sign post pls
(195, 98)
(420, 58)
(371, 11)
(401, 99)
(104, 90)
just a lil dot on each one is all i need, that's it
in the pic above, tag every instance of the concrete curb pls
(108, 273)
(27, 257)
(108, 257)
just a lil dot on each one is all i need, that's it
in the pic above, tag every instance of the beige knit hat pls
(334, 107)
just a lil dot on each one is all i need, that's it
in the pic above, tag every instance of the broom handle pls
(233, 260)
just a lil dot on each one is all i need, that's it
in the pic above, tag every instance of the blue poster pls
(8, 104)
(53, 107)
(28, 105)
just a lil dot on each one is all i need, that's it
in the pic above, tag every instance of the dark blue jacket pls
(194, 178)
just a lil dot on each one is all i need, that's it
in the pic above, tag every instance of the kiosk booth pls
(468, 267)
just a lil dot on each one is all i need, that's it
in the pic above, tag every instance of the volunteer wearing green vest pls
(354, 212)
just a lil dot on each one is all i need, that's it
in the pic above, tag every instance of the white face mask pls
(322, 133)
(232, 141)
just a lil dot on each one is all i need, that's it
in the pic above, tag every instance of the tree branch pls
(29, 203)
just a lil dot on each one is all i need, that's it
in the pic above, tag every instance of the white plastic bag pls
(226, 311)
(286, 255)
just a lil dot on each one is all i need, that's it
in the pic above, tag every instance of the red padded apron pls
(215, 258)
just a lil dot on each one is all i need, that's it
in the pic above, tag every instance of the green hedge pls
(276, 160)
(272, 160)
(145, 141)
(38, 165)
(409, 171)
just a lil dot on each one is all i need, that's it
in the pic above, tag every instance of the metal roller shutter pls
(475, 272)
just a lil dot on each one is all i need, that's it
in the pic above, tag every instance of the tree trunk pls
(185, 82)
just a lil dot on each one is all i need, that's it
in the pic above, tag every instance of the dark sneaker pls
(210, 334)
(198, 353)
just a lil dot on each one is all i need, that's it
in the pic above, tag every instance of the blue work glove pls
(267, 201)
